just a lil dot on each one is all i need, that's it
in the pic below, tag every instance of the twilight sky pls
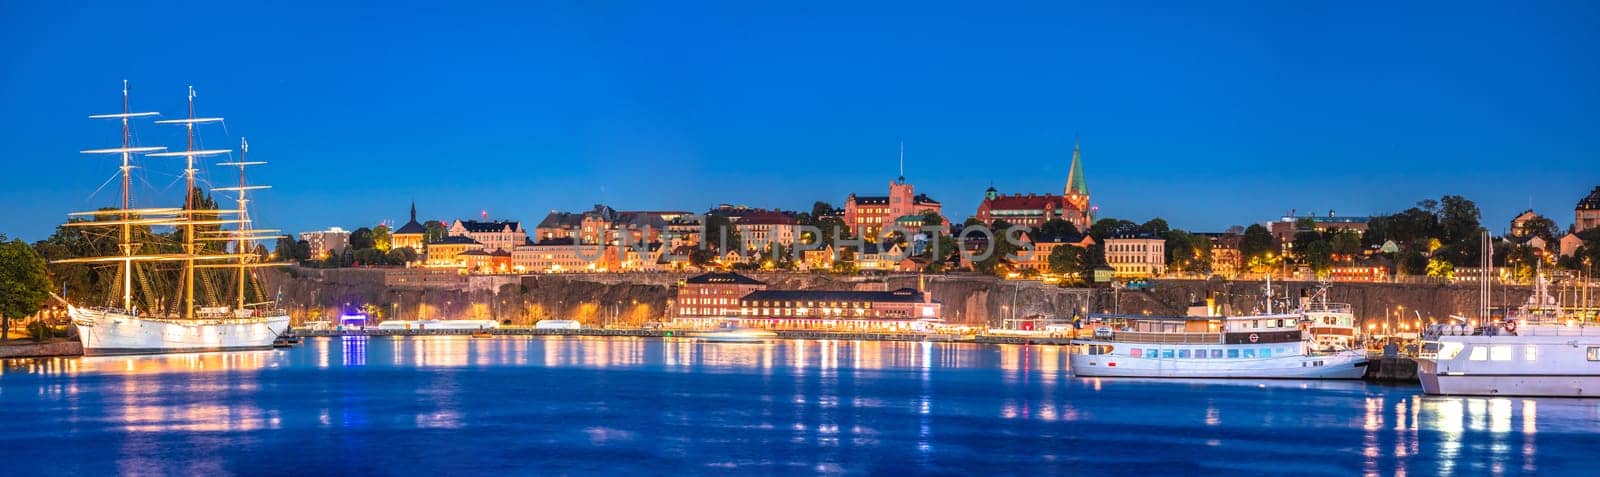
(1206, 115)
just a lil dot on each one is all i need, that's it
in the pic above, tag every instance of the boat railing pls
(1160, 338)
(1329, 308)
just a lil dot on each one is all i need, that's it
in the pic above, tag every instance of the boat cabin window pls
(1594, 353)
(1233, 353)
(1530, 353)
(1166, 353)
(1500, 353)
(1199, 354)
(1249, 352)
(1183, 353)
(1216, 354)
(1478, 353)
(1151, 353)
(1266, 352)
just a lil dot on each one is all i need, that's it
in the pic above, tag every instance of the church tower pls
(1075, 196)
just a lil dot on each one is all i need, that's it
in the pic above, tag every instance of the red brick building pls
(714, 294)
(1033, 210)
(870, 214)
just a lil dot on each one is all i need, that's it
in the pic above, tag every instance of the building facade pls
(714, 295)
(1136, 257)
(870, 214)
(326, 242)
(446, 252)
(1587, 214)
(493, 235)
(410, 234)
(1284, 229)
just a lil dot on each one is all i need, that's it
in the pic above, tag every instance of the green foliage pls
(1066, 260)
(1542, 227)
(1411, 262)
(716, 224)
(1187, 252)
(1058, 228)
(1156, 226)
(1257, 243)
(24, 283)
(382, 238)
(1346, 242)
(994, 264)
(1319, 256)
(401, 256)
(1109, 227)
(360, 239)
(1439, 268)
(434, 231)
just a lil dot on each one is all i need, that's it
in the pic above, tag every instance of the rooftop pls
(723, 277)
(903, 295)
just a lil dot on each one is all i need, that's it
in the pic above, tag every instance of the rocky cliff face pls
(634, 298)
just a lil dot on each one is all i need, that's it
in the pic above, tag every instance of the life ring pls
(1511, 326)
(1254, 337)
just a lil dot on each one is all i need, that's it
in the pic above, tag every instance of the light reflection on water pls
(590, 405)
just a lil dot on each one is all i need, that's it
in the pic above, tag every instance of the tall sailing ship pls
(193, 321)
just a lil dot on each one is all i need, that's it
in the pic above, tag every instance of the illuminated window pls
(1530, 353)
(1478, 353)
(1216, 354)
(1594, 353)
(1500, 353)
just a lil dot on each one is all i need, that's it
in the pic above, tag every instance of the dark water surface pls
(550, 406)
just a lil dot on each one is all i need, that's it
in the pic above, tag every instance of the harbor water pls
(571, 405)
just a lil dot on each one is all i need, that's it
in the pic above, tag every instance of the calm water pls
(609, 406)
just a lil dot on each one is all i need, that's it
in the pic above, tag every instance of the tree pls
(370, 257)
(999, 249)
(302, 250)
(1458, 217)
(820, 209)
(1346, 242)
(1058, 228)
(1156, 226)
(1439, 268)
(1412, 262)
(1257, 242)
(1319, 255)
(401, 256)
(1542, 227)
(381, 238)
(285, 247)
(24, 283)
(1066, 260)
(1109, 227)
(433, 231)
(361, 239)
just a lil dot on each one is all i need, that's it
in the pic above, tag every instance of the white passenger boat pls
(735, 335)
(1532, 351)
(1261, 346)
(1332, 326)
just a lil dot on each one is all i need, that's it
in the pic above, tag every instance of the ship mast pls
(125, 244)
(189, 198)
(244, 233)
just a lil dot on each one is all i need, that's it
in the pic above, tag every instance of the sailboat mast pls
(244, 219)
(188, 204)
(125, 241)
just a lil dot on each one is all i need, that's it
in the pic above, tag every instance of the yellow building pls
(410, 234)
(446, 253)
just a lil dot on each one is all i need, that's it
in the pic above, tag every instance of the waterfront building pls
(714, 295)
(1033, 210)
(445, 252)
(870, 214)
(1587, 214)
(905, 309)
(1136, 256)
(492, 235)
(409, 235)
(324, 243)
(1363, 270)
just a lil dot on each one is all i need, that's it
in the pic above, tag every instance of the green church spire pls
(1076, 184)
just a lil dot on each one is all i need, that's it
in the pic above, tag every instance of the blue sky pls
(1206, 115)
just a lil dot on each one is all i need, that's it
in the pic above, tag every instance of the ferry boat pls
(1332, 326)
(1533, 351)
(1265, 346)
(153, 322)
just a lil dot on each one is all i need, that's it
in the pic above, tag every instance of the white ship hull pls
(105, 332)
(1547, 362)
(1347, 365)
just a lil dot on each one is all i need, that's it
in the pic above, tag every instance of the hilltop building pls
(326, 242)
(869, 214)
(1033, 210)
(1587, 214)
(1136, 256)
(410, 234)
(493, 235)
